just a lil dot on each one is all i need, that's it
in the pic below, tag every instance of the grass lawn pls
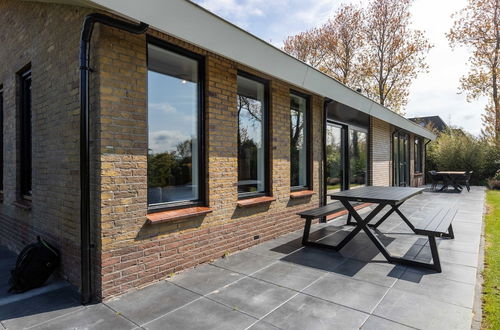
(491, 289)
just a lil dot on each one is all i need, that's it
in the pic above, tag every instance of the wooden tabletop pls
(374, 194)
(451, 172)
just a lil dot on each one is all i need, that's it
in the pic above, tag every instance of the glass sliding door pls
(357, 158)
(334, 158)
(400, 160)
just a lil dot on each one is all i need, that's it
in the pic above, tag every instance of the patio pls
(281, 285)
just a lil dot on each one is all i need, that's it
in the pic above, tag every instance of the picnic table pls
(451, 179)
(436, 224)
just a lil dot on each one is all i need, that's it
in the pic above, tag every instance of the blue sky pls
(432, 93)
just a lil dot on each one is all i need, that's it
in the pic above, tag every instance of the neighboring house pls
(204, 139)
(434, 122)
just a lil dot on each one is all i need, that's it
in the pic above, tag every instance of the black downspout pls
(85, 244)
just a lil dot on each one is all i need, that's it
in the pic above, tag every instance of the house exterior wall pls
(47, 36)
(130, 252)
(380, 145)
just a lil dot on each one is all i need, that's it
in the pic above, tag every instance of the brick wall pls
(47, 36)
(135, 253)
(380, 134)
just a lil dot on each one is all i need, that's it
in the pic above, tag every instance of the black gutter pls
(85, 245)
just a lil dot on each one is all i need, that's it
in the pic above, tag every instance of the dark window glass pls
(400, 158)
(173, 127)
(418, 155)
(334, 159)
(298, 142)
(25, 136)
(358, 154)
(251, 136)
(1, 139)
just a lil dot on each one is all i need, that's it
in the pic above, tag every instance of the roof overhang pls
(190, 22)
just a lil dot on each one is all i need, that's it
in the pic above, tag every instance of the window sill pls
(301, 194)
(255, 201)
(173, 215)
(23, 204)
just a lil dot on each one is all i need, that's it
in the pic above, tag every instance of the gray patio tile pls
(94, 317)
(205, 278)
(273, 249)
(458, 245)
(261, 325)
(438, 288)
(6, 264)
(35, 310)
(305, 312)
(450, 256)
(152, 302)
(289, 275)
(452, 272)
(384, 274)
(423, 312)
(348, 292)
(244, 262)
(316, 258)
(203, 314)
(254, 297)
(378, 323)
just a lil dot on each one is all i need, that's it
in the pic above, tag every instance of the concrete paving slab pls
(205, 278)
(384, 274)
(423, 312)
(252, 296)
(152, 302)
(378, 323)
(306, 312)
(244, 262)
(95, 317)
(289, 275)
(360, 295)
(203, 314)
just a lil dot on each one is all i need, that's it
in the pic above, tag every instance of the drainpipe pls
(85, 244)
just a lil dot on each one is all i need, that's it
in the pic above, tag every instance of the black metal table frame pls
(363, 224)
(453, 181)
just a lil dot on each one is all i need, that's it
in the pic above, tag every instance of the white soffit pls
(190, 22)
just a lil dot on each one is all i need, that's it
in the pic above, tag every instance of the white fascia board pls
(191, 23)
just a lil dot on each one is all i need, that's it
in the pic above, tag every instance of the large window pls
(1, 139)
(299, 137)
(400, 159)
(25, 135)
(175, 141)
(252, 136)
(418, 155)
(357, 158)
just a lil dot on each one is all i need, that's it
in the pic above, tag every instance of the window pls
(252, 136)
(358, 161)
(400, 159)
(25, 136)
(418, 155)
(299, 139)
(1, 139)
(175, 136)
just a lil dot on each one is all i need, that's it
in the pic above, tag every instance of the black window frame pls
(308, 143)
(25, 134)
(202, 168)
(267, 137)
(400, 135)
(418, 146)
(1, 140)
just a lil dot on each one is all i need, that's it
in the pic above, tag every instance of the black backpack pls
(34, 265)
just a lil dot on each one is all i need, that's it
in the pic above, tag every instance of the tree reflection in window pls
(357, 159)
(251, 148)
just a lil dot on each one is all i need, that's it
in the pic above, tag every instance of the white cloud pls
(164, 107)
(165, 141)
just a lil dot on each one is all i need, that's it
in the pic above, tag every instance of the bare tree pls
(477, 26)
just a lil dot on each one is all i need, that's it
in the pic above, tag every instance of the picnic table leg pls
(394, 208)
(434, 253)
(307, 229)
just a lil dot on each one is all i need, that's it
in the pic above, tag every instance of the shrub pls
(455, 150)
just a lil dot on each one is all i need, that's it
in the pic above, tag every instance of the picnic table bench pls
(435, 224)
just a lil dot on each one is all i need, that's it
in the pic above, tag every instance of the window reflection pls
(251, 141)
(334, 158)
(172, 127)
(298, 142)
(357, 159)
